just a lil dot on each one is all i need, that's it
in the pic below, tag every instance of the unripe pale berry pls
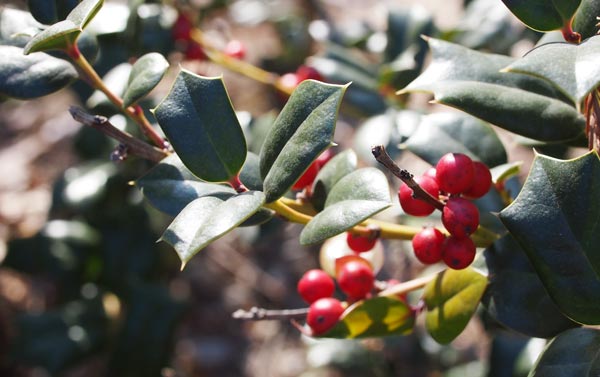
(360, 244)
(356, 279)
(428, 244)
(323, 314)
(418, 207)
(315, 284)
(454, 173)
(482, 181)
(460, 217)
(458, 253)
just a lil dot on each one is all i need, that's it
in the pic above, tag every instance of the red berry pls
(417, 207)
(308, 177)
(315, 284)
(182, 28)
(289, 81)
(305, 72)
(235, 48)
(323, 314)
(482, 181)
(460, 217)
(454, 173)
(458, 253)
(360, 244)
(430, 173)
(194, 51)
(428, 244)
(356, 279)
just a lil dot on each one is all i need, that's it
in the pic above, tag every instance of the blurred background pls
(85, 289)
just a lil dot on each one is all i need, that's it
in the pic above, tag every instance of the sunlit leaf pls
(145, 74)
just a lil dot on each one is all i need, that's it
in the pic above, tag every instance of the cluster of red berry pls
(181, 32)
(355, 278)
(455, 179)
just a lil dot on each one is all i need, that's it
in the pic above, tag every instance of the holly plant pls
(529, 254)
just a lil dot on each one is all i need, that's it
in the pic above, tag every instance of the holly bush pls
(537, 262)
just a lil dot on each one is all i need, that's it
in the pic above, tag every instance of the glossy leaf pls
(64, 33)
(443, 133)
(34, 75)
(338, 218)
(516, 297)
(573, 69)
(451, 299)
(339, 166)
(145, 74)
(543, 15)
(303, 130)
(50, 11)
(170, 186)
(574, 353)
(584, 21)
(207, 219)
(376, 317)
(472, 82)
(555, 220)
(250, 173)
(198, 119)
(354, 198)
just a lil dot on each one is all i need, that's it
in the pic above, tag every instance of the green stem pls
(134, 112)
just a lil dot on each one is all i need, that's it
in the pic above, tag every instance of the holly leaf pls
(572, 70)
(451, 299)
(543, 15)
(572, 353)
(353, 199)
(198, 119)
(516, 297)
(170, 186)
(208, 218)
(443, 133)
(145, 74)
(472, 82)
(34, 75)
(335, 169)
(555, 218)
(50, 11)
(303, 130)
(63, 34)
(376, 317)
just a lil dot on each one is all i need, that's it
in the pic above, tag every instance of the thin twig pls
(260, 314)
(384, 158)
(133, 145)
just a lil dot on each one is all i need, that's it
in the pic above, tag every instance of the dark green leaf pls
(555, 219)
(64, 33)
(376, 317)
(207, 219)
(250, 173)
(443, 133)
(573, 69)
(303, 130)
(145, 74)
(336, 168)
(574, 353)
(50, 11)
(451, 299)
(338, 218)
(584, 21)
(472, 82)
(543, 15)
(32, 76)
(516, 297)
(201, 125)
(362, 184)
(170, 186)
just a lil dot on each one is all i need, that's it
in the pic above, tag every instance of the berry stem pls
(569, 35)
(237, 185)
(132, 144)
(134, 112)
(408, 286)
(260, 314)
(384, 158)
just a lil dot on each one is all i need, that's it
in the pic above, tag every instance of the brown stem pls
(132, 145)
(259, 314)
(384, 158)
